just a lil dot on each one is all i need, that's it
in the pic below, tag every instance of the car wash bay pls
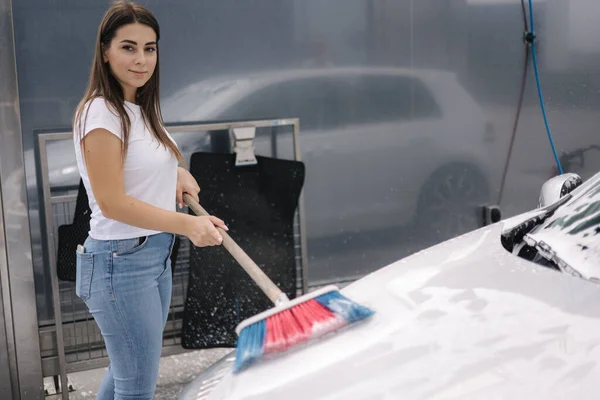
(405, 109)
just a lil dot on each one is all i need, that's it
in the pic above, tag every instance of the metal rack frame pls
(57, 365)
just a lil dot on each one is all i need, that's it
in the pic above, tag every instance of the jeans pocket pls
(83, 278)
(130, 246)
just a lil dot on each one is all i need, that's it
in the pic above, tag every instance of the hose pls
(529, 38)
(539, 87)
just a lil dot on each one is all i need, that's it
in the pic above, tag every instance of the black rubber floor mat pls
(258, 204)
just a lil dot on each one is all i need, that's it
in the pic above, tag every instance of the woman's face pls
(132, 57)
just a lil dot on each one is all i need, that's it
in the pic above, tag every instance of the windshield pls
(573, 231)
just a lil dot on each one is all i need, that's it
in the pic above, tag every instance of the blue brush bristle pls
(250, 345)
(344, 307)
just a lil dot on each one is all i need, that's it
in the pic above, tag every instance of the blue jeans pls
(127, 288)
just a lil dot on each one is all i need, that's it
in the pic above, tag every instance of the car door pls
(363, 138)
(384, 141)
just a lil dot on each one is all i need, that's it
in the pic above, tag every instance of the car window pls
(391, 99)
(314, 100)
(195, 98)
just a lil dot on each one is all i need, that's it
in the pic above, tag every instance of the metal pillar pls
(18, 314)
(7, 361)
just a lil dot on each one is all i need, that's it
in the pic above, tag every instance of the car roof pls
(266, 77)
(204, 98)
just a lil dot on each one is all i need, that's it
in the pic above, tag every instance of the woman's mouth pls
(138, 73)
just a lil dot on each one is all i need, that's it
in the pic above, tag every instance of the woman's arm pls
(105, 170)
(186, 183)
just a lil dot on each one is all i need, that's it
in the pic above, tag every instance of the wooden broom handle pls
(261, 279)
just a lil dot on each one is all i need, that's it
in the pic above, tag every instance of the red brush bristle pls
(294, 331)
(298, 324)
(289, 328)
(323, 320)
(317, 312)
(283, 331)
(304, 321)
(275, 340)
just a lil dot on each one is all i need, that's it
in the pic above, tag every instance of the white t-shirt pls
(150, 170)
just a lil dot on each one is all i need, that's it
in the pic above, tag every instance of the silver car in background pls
(400, 135)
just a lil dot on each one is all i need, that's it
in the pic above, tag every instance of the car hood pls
(464, 319)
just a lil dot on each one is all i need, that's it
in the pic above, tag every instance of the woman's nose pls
(140, 58)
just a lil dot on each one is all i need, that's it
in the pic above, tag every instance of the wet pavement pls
(175, 373)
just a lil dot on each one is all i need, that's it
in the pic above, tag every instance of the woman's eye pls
(151, 49)
(127, 48)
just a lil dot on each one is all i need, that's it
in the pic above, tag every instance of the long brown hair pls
(102, 83)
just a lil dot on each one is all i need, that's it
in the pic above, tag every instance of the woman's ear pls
(104, 56)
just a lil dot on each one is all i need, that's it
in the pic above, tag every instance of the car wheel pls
(451, 201)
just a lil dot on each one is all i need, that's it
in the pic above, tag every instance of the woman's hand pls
(186, 184)
(202, 231)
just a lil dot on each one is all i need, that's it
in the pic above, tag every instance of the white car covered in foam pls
(509, 311)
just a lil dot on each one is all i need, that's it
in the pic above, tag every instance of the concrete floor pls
(175, 373)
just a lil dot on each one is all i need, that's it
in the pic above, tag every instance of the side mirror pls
(557, 187)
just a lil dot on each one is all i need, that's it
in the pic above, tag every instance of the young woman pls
(129, 166)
